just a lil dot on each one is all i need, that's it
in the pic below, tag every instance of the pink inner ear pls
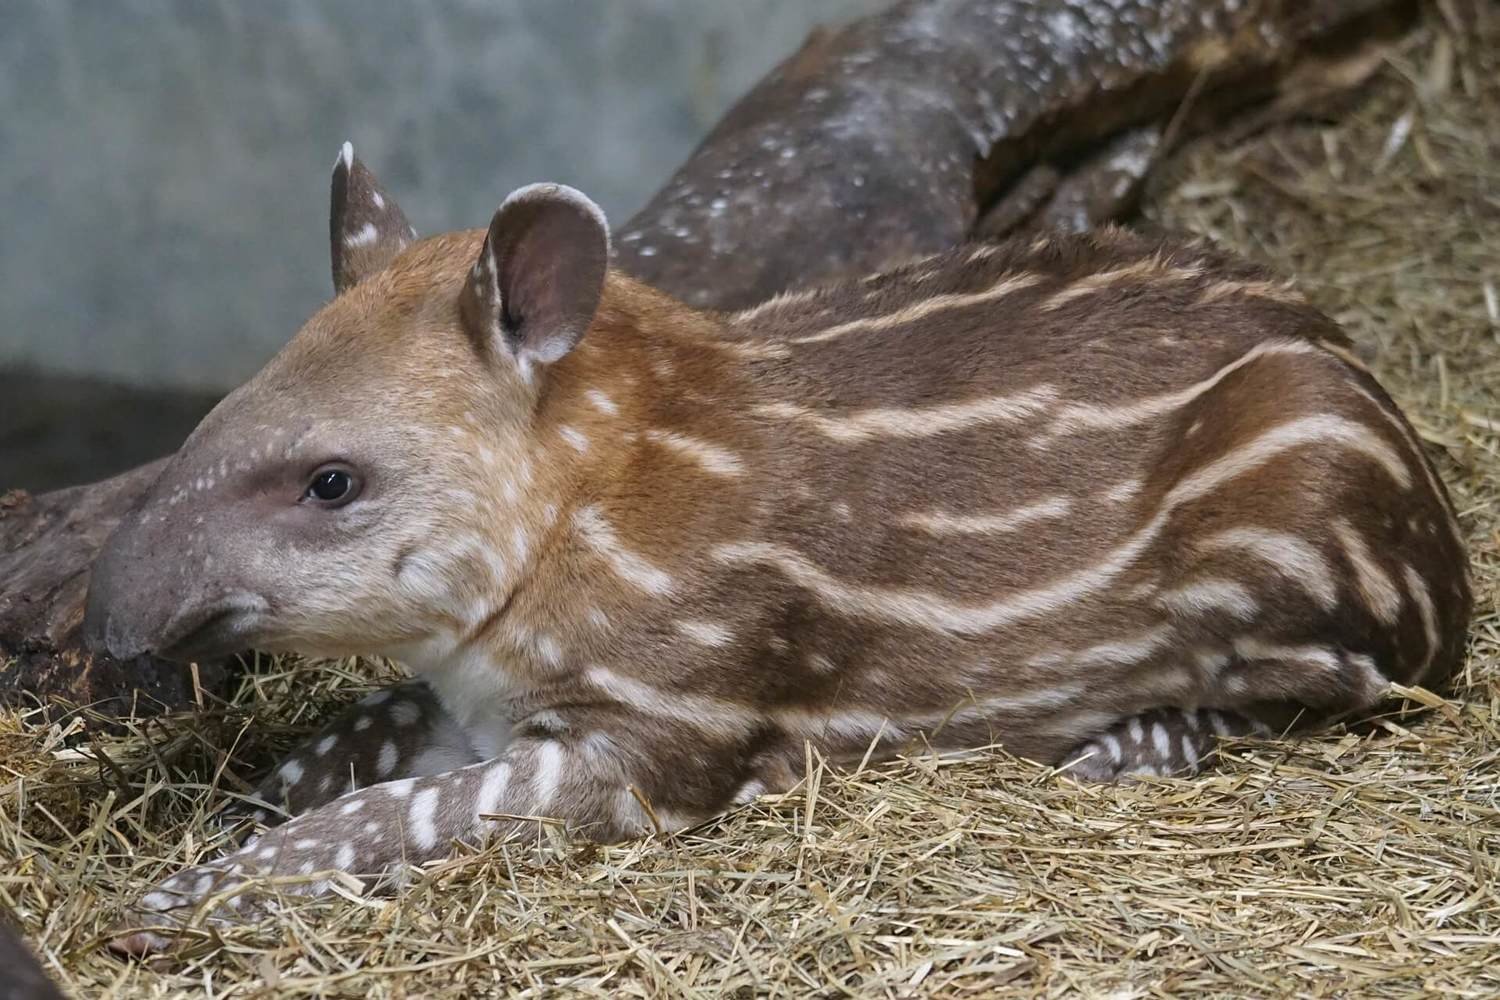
(551, 253)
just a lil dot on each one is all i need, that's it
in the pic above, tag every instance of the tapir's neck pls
(644, 449)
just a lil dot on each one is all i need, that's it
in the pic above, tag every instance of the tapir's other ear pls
(366, 228)
(536, 285)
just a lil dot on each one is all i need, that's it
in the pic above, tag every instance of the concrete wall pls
(164, 163)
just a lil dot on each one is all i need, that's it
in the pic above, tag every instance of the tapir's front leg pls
(397, 732)
(606, 773)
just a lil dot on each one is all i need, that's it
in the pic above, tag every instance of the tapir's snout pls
(142, 599)
(102, 632)
(117, 618)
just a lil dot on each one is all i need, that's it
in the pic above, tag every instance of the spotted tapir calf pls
(1097, 499)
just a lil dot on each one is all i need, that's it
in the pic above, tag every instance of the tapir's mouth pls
(213, 630)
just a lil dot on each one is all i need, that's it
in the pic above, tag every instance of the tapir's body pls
(1093, 499)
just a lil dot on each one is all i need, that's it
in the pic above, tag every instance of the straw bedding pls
(1357, 863)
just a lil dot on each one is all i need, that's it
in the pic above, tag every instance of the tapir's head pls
(330, 504)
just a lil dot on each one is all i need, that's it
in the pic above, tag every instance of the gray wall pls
(164, 163)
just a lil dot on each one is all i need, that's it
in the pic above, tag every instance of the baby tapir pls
(1096, 499)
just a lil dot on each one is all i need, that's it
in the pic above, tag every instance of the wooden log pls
(899, 135)
(888, 140)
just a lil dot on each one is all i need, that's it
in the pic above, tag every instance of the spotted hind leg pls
(1162, 741)
(397, 732)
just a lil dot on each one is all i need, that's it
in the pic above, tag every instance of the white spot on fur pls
(549, 761)
(1117, 653)
(601, 402)
(492, 790)
(925, 307)
(326, 744)
(574, 437)
(600, 536)
(1189, 753)
(422, 816)
(1153, 268)
(1374, 584)
(1422, 597)
(386, 763)
(1160, 740)
(364, 236)
(820, 664)
(291, 772)
(941, 523)
(1075, 417)
(1320, 657)
(749, 791)
(775, 302)
(712, 458)
(1205, 596)
(679, 706)
(706, 633)
(548, 649)
(917, 421)
(405, 713)
(856, 726)
(1292, 557)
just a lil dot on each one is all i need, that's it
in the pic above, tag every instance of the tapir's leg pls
(606, 772)
(1163, 741)
(398, 732)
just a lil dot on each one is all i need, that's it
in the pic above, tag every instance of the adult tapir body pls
(1097, 499)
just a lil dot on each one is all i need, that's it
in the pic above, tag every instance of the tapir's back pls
(1015, 468)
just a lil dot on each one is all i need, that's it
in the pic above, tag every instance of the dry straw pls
(1358, 864)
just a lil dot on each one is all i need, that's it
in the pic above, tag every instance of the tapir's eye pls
(332, 487)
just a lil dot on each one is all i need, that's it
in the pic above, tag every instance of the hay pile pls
(1361, 864)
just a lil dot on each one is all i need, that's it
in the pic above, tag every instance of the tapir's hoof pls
(155, 923)
(139, 942)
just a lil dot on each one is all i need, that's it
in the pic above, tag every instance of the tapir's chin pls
(212, 630)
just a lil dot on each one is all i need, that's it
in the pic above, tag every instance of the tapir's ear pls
(536, 286)
(366, 228)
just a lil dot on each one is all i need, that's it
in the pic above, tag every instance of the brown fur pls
(1027, 493)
